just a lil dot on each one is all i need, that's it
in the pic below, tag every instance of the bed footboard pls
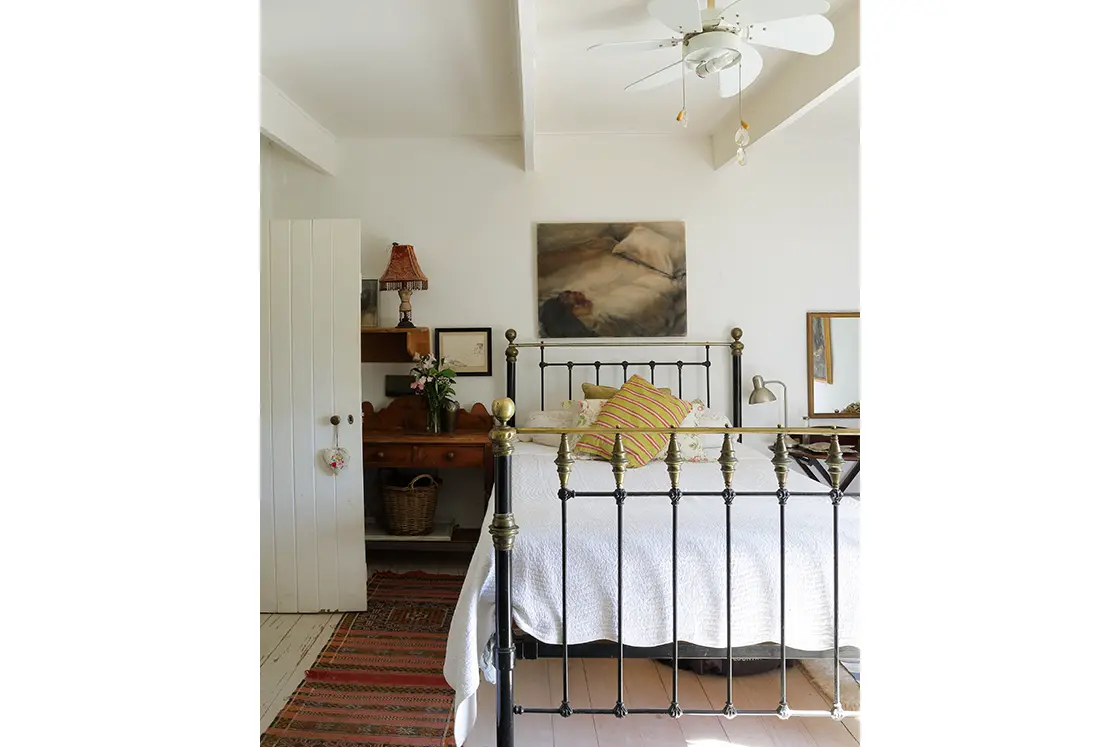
(504, 532)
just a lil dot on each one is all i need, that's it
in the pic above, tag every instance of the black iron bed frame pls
(504, 531)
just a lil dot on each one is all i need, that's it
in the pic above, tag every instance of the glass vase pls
(433, 417)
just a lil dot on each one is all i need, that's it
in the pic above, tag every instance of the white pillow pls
(547, 419)
(709, 418)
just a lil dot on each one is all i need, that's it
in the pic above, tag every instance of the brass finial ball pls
(736, 333)
(511, 334)
(503, 409)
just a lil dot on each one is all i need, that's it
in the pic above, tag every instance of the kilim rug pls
(379, 680)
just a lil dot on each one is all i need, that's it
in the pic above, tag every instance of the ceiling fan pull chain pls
(682, 115)
(741, 135)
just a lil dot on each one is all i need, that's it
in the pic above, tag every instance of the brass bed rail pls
(504, 531)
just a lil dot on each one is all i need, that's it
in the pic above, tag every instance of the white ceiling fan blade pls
(634, 46)
(679, 15)
(751, 66)
(659, 78)
(808, 35)
(746, 12)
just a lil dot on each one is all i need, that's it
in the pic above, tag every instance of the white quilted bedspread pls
(647, 569)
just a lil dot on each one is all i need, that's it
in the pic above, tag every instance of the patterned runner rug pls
(379, 680)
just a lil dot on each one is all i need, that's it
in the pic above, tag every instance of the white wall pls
(266, 181)
(765, 243)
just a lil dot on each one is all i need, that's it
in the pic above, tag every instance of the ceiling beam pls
(801, 84)
(525, 19)
(294, 130)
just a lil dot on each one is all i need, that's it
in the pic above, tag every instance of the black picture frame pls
(449, 340)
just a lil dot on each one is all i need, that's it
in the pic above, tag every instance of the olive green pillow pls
(597, 391)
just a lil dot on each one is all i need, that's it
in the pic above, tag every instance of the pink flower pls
(421, 386)
(413, 384)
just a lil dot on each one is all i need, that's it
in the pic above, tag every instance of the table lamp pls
(404, 276)
(760, 394)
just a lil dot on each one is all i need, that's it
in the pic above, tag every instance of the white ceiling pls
(835, 117)
(396, 67)
(449, 67)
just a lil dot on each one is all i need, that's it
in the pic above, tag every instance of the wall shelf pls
(394, 344)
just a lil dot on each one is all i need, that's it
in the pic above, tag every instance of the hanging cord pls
(741, 136)
(682, 115)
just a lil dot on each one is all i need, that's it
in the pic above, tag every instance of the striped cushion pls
(638, 404)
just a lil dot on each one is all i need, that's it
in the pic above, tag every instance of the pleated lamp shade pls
(404, 276)
(403, 272)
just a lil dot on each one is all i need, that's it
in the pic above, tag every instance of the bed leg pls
(504, 530)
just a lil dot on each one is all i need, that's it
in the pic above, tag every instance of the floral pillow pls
(706, 417)
(547, 419)
(690, 444)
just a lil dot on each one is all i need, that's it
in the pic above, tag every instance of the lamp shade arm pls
(785, 401)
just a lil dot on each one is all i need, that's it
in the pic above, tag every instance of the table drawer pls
(449, 456)
(398, 455)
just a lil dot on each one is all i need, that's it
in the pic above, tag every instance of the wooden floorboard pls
(801, 694)
(273, 632)
(643, 690)
(691, 696)
(578, 731)
(283, 670)
(740, 731)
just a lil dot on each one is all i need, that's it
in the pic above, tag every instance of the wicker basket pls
(411, 511)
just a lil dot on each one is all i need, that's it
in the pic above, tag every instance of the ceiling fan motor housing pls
(711, 51)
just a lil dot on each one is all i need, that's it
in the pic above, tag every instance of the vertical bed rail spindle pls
(737, 380)
(564, 463)
(652, 367)
(680, 379)
(708, 374)
(504, 530)
(511, 367)
(727, 463)
(781, 462)
(570, 364)
(835, 462)
(673, 465)
(619, 463)
(543, 366)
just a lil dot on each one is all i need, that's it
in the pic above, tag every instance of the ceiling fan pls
(721, 42)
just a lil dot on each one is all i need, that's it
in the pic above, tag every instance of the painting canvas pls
(822, 349)
(369, 303)
(611, 279)
(467, 350)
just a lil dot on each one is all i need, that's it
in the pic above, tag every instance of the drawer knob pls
(381, 455)
(450, 455)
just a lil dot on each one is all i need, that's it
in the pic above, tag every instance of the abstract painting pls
(611, 279)
(822, 349)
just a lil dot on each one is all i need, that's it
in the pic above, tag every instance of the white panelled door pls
(312, 520)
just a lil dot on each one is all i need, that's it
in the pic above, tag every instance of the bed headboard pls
(641, 366)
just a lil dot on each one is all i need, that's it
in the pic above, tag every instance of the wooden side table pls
(394, 437)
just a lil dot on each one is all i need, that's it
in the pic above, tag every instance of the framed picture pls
(624, 279)
(369, 303)
(467, 350)
(822, 349)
